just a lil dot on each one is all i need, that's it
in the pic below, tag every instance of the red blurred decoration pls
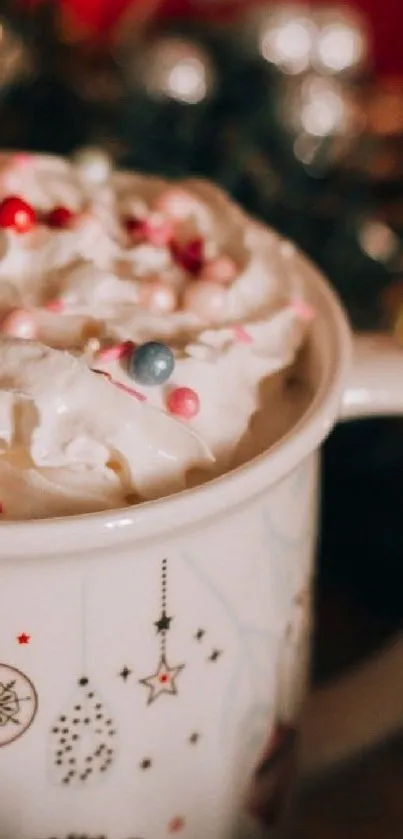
(100, 17)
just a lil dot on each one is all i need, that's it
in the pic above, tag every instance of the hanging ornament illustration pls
(18, 704)
(163, 680)
(83, 735)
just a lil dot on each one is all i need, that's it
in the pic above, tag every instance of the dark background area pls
(360, 580)
(359, 605)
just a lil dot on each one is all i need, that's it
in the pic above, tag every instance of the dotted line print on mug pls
(68, 726)
(164, 679)
(83, 734)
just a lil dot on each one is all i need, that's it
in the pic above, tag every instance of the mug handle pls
(331, 729)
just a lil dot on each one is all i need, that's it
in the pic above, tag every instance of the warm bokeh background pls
(101, 16)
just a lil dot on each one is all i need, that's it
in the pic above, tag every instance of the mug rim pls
(150, 520)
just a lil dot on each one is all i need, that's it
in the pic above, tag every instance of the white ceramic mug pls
(154, 659)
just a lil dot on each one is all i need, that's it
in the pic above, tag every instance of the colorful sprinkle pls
(92, 346)
(221, 270)
(116, 351)
(206, 299)
(183, 402)
(140, 396)
(151, 363)
(54, 306)
(129, 390)
(133, 225)
(19, 324)
(154, 229)
(189, 256)
(17, 214)
(59, 217)
(22, 158)
(158, 297)
(158, 231)
(303, 309)
(176, 203)
(102, 373)
(241, 334)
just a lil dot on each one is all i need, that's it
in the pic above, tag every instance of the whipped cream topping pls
(72, 440)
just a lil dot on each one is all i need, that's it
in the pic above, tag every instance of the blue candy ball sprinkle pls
(151, 363)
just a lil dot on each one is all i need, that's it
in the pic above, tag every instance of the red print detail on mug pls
(176, 824)
(23, 638)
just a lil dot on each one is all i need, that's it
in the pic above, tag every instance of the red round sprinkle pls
(116, 351)
(134, 225)
(189, 256)
(59, 217)
(19, 323)
(163, 678)
(17, 214)
(183, 402)
(156, 231)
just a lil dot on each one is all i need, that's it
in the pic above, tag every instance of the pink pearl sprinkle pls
(221, 270)
(157, 231)
(207, 300)
(241, 334)
(189, 256)
(19, 324)
(176, 203)
(303, 309)
(183, 402)
(55, 306)
(22, 158)
(158, 297)
(116, 351)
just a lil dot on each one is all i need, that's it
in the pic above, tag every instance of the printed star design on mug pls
(163, 624)
(125, 673)
(163, 680)
(23, 638)
(215, 655)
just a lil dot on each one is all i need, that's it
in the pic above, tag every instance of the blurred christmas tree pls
(279, 106)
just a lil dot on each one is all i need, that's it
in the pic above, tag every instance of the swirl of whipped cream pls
(72, 434)
(66, 446)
